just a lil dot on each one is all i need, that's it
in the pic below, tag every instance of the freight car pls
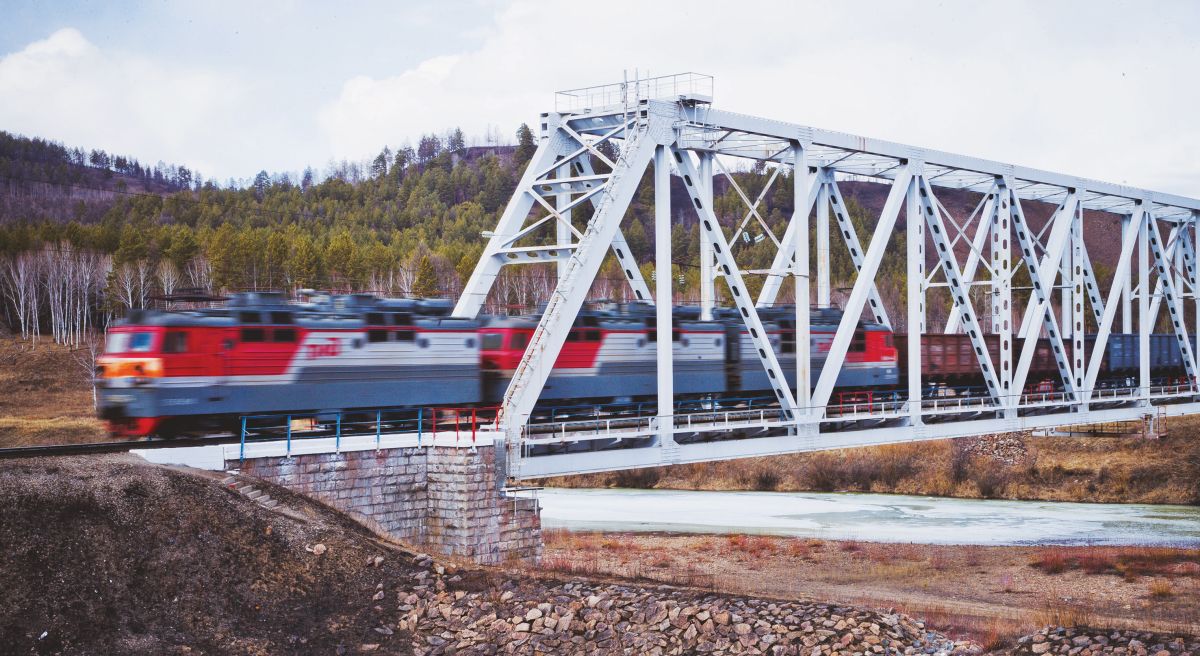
(949, 360)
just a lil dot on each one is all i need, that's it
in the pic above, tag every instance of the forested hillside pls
(87, 235)
(84, 236)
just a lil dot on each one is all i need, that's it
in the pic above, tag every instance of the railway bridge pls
(1008, 284)
(569, 206)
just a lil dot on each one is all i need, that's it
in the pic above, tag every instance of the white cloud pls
(1099, 90)
(67, 89)
(1067, 87)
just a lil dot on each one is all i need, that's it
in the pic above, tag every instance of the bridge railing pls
(850, 407)
(464, 422)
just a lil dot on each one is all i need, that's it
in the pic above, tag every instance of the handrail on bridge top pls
(696, 87)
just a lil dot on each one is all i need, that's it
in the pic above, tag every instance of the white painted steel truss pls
(681, 134)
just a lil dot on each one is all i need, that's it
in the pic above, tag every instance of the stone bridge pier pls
(445, 495)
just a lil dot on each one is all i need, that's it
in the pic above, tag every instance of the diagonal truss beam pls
(982, 229)
(556, 152)
(958, 291)
(1124, 266)
(1090, 286)
(859, 293)
(850, 238)
(752, 208)
(826, 187)
(564, 304)
(1043, 276)
(1156, 298)
(737, 287)
(620, 249)
(1174, 302)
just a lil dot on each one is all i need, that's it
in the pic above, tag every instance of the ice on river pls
(872, 517)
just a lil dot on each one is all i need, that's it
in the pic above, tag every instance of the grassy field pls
(1098, 469)
(46, 396)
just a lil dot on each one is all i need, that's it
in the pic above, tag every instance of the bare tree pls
(20, 282)
(85, 356)
(126, 283)
(199, 272)
(168, 277)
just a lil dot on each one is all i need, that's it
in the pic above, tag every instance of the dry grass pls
(1064, 614)
(45, 397)
(1161, 589)
(993, 633)
(1129, 562)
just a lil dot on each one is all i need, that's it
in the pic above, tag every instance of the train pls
(166, 373)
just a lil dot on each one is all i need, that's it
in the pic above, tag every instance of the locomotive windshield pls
(140, 342)
(493, 341)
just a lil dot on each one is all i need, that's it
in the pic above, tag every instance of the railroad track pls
(94, 448)
(41, 451)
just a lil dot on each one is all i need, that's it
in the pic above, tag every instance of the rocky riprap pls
(1006, 448)
(447, 614)
(1081, 641)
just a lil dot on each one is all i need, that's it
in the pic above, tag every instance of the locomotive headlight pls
(130, 368)
(151, 368)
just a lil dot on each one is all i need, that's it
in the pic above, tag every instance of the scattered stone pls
(1082, 641)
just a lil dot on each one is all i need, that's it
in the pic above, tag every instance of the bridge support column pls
(446, 499)
(1001, 253)
(664, 305)
(1145, 319)
(802, 180)
(915, 242)
(824, 297)
(708, 271)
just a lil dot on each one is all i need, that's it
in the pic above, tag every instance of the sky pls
(1104, 90)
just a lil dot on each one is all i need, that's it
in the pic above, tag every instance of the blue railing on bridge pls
(377, 421)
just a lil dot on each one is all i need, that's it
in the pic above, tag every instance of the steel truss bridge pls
(669, 125)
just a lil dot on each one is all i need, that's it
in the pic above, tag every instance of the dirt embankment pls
(112, 555)
(46, 398)
(1094, 469)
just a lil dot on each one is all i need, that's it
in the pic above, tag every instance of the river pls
(871, 517)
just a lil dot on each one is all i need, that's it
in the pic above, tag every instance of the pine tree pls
(379, 167)
(455, 141)
(525, 146)
(426, 283)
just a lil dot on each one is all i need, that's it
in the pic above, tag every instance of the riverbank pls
(992, 594)
(1091, 469)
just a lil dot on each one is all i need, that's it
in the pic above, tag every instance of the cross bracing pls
(1038, 348)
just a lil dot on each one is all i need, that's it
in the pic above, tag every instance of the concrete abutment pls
(447, 499)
